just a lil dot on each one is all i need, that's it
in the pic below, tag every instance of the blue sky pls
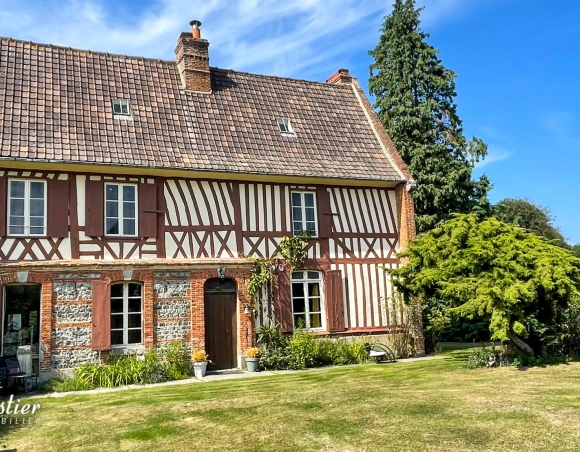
(517, 64)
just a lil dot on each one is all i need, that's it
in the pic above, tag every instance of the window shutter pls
(94, 208)
(324, 213)
(101, 319)
(147, 210)
(283, 303)
(58, 208)
(334, 299)
(3, 206)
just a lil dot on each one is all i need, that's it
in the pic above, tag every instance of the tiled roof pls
(55, 105)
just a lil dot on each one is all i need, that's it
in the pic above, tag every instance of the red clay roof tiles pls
(56, 105)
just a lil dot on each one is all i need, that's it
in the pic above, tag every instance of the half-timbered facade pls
(130, 188)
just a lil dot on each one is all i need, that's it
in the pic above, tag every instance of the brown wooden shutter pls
(94, 208)
(3, 206)
(324, 213)
(58, 208)
(101, 339)
(147, 210)
(334, 299)
(283, 303)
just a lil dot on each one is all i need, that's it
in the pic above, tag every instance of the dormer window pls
(121, 109)
(285, 127)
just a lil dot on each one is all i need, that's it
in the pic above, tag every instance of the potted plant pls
(199, 363)
(253, 359)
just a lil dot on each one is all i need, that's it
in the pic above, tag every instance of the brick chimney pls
(340, 77)
(192, 58)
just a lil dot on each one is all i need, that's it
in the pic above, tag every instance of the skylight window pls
(285, 127)
(121, 108)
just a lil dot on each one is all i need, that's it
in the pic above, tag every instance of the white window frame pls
(304, 231)
(285, 127)
(120, 217)
(121, 103)
(125, 315)
(26, 226)
(305, 280)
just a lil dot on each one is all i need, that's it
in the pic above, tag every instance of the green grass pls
(433, 405)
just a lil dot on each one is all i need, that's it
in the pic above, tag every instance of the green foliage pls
(527, 360)
(172, 363)
(488, 356)
(293, 251)
(304, 350)
(176, 361)
(533, 218)
(65, 384)
(494, 271)
(414, 96)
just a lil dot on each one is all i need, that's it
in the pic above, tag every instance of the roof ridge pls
(161, 60)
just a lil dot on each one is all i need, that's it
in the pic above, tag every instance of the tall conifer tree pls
(414, 96)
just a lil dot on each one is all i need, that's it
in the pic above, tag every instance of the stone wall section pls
(171, 307)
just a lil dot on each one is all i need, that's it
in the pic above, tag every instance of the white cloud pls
(266, 36)
(495, 154)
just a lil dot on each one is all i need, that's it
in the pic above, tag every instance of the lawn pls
(432, 405)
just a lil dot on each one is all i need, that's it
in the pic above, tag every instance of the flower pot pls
(199, 369)
(252, 364)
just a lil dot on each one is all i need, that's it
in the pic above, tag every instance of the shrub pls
(66, 384)
(176, 361)
(304, 350)
(488, 356)
(526, 360)
(199, 356)
(253, 352)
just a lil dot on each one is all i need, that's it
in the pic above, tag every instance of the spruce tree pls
(414, 96)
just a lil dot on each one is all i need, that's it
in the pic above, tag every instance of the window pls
(120, 209)
(304, 213)
(27, 207)
(121, 107)
(306, 300)
(126, 314)
(285, 127)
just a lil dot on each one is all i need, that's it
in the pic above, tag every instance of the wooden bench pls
(11, 375)
(380, 352)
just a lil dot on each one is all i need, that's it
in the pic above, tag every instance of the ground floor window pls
(126, 313)
(307, 299)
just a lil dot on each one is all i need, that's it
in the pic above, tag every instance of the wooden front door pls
(221, 329)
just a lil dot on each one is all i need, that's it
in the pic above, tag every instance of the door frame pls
(233, 289)
(39, 320)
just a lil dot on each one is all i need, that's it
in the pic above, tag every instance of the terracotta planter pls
(199, 369)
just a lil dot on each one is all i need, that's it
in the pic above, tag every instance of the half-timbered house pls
(130, 187)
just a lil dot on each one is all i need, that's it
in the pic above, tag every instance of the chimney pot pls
(192, 58)
(195, 24)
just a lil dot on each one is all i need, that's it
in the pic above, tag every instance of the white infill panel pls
(276, 206)
(80, 181)
(207, 211)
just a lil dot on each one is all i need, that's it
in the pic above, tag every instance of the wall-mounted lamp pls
(222, 273)
(246, 309)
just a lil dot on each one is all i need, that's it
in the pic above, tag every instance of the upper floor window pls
(126, 313)
(120, 209)
(285, 127)
(306, 300)
(304, 213)
(27, 207)
(121, 108)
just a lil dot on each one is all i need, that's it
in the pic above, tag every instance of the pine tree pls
(414, 96)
